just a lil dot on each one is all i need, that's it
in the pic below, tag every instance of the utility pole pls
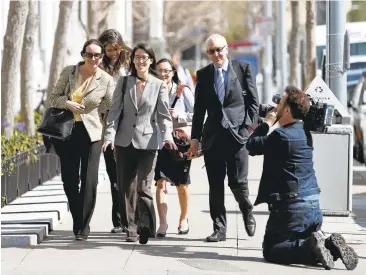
(282, 45)
(157, 27)
(268, 66)
(336, 28)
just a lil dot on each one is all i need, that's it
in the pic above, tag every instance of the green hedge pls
(20, 141)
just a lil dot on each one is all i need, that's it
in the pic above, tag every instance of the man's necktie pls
(220, 85)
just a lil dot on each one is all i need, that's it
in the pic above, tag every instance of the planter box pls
(21, 174)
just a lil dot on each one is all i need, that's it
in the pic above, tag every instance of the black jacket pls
(239, 109)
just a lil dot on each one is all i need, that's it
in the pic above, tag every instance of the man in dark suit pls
(226, 90)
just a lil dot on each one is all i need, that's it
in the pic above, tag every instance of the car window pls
(358, 65)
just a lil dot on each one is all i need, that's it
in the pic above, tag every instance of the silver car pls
(358, 113)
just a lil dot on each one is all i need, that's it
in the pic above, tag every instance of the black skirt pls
(175, 170)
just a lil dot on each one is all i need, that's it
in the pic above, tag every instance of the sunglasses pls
(217, 50)
(91, 55)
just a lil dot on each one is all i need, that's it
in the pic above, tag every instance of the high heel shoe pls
(183, 230)
(162, 234)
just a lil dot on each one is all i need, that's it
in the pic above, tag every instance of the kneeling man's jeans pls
(287, 229)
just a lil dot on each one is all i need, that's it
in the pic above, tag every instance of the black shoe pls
(162, 234)
(249, 223)
(117, 229)
(340, 250)
(216, 237)
(145, 234)
(317, 246)
(132, 239)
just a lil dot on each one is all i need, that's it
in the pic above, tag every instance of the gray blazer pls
(99, 93)
(147, 125)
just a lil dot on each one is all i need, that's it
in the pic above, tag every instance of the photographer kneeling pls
(289, 187)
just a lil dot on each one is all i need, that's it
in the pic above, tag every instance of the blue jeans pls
(288, 227)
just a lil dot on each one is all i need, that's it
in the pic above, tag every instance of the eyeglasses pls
(142, 58)
(91, 55)
(165, 71)
(217, 50)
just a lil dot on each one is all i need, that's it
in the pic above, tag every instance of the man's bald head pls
(216, 39)
(217, 49)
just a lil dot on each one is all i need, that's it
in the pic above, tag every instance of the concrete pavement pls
(174, 255)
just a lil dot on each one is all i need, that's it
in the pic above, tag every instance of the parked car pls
(357, 107)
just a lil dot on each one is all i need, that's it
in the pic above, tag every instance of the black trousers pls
(226, 157)
(112, 174)
(79, 159)
(135, 171)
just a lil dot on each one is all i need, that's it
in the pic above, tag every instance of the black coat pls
(239, 109)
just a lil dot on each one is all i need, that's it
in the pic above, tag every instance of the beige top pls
(79, 91)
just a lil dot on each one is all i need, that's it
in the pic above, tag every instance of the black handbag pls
(57, 123)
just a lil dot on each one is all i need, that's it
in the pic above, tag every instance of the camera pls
(318, 117)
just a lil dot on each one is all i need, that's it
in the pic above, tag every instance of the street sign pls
(320, 91)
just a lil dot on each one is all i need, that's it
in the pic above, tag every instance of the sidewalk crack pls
(133, 249)
(23, 258)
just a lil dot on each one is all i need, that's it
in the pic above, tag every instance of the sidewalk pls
(106, 253)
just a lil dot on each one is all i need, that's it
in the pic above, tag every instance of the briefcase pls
(57, 123)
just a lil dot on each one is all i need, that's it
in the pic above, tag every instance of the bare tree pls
(59, 46)
(294, 43)
(103, 15)
(26, 68)
(310, 42)
(10, 64)
(93, 18)
(185, 20)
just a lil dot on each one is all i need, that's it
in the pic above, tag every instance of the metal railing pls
(21, 173)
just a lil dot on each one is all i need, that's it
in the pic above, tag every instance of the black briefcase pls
(57, 123)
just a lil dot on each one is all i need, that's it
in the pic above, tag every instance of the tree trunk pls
(310, 42)
(59, 46)
(104, 8)
(294, 43)
(93, 19)
(26, 78)
(11, 62)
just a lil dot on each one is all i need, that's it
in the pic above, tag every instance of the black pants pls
(226, 156)
(79, 163)
(112, 174)
(135, 171)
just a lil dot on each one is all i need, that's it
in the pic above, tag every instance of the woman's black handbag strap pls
(124, 85)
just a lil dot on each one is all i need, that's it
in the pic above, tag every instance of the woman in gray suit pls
(138, 124)
(82, 88)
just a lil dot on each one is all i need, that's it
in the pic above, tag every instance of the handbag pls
(181, 135)
(57, 123)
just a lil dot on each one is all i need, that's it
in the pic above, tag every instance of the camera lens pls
(276, 98)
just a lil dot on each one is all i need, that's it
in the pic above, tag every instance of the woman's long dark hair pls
(149, 50)
(175, 76)
(114, 38)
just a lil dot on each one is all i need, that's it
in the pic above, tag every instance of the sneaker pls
(317, 246)
(340, 250)
(117, 229)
